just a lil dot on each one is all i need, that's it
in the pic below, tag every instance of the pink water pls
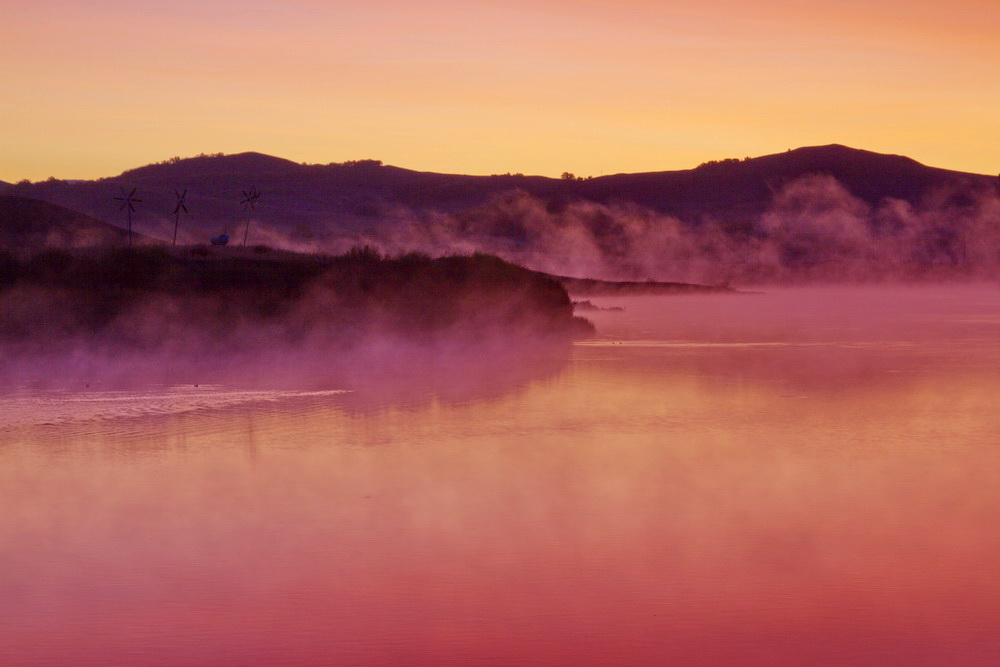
(797, 477)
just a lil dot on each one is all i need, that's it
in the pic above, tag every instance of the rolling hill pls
(310, 200)
(816, 213)
(30, 224)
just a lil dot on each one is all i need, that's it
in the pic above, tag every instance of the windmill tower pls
(128, 205)
(249, 202)
(181, 206)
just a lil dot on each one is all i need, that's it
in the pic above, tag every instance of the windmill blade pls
(176, 193)
(184, 208)
(184, 194)
(176, 209)
(131, 193)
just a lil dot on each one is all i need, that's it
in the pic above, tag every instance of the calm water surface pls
(796, 477)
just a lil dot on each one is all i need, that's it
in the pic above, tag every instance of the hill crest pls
(315, 205)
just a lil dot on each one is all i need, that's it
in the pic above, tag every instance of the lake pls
(800, 476)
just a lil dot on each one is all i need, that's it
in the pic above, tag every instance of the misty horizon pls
(707, 161)
(818, 214)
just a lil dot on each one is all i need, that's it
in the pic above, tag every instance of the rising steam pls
(813, 230)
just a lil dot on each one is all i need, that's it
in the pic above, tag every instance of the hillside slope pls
(30, 224)
(316, 201)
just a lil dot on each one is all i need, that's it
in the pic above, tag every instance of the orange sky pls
(484, 86)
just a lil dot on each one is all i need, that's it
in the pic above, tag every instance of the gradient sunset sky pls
(483, 86)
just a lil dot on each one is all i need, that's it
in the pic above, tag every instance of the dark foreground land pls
(201, 299)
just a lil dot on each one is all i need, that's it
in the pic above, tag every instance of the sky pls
(91, 88)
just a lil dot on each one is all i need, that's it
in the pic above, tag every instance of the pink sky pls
(481, 86)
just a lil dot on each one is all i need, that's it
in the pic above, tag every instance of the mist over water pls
(802, 476)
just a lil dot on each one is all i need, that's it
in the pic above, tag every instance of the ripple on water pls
(28, 408)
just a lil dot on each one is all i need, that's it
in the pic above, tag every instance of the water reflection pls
(827, 500)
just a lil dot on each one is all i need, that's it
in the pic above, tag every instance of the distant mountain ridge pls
(348, 197)
(249, 163)
(731, 184)
(819, 211)
(868, 175)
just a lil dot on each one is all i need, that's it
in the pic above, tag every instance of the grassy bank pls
(210, 299)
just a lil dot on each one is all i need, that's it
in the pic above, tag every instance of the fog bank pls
(152, 316)
(814, 230)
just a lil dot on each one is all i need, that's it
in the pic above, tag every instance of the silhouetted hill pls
(820, 212)
(240, 165)
(30, 224)
(745, 187)
(319, 200)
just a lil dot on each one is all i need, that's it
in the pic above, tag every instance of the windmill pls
(181, 206)
(128, 204)
(249, 202)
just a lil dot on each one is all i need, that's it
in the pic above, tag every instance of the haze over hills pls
(347, 196)
(811, 207)
(30, 224)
